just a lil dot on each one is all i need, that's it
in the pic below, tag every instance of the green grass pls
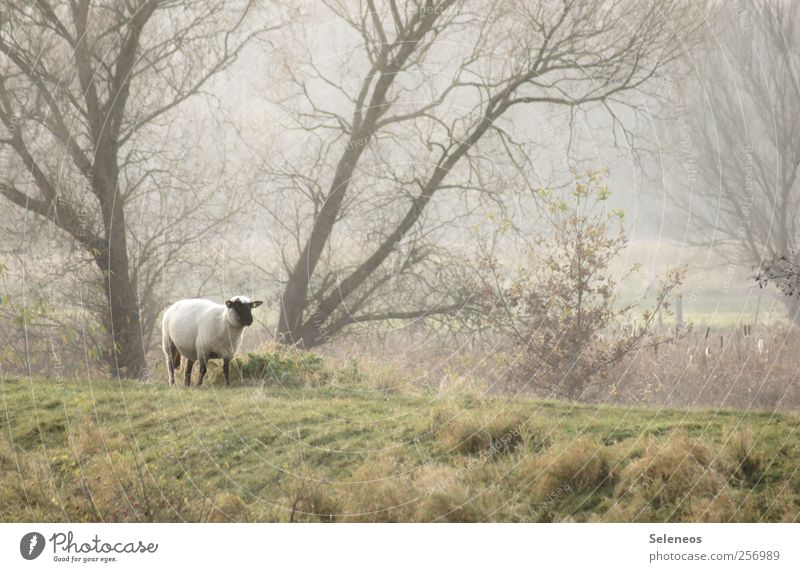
(79, 450)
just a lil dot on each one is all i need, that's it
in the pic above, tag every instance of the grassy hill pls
(76, 450)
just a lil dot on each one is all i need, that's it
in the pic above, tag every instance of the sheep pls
(200, 330)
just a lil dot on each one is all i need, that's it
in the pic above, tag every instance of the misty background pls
(158, 150)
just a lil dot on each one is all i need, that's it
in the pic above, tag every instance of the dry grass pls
(309, 454)
(97, 478)
(710, 368)
(578, 466)
(474, 433)
(684, 479)
(747, 462)
(307, 496)
(382, 491)
(667, 474)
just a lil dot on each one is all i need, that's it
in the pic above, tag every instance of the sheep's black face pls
(243, 310)
(244, 313)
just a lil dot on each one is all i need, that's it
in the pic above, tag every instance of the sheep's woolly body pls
(202, 329)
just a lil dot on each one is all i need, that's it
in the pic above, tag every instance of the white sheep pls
(200, 330)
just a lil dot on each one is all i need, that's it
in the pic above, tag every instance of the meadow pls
(326, 444)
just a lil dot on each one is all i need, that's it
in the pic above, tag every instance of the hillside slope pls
(75, 450)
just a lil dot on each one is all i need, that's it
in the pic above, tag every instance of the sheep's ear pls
(256, 303)
(228, 303)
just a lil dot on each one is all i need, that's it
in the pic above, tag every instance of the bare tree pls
(86, 91)
(430, 97)
(739, 142)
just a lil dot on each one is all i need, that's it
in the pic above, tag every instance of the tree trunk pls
(293, 305)
(126, 357)
(294, 301)
(309, 336)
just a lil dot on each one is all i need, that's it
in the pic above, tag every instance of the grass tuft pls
(747, 462)
(579, 465)
(668, 474)
(471, 433)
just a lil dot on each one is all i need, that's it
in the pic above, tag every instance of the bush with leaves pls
(560, 307)
(276, 365)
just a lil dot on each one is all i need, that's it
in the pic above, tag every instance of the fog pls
(366, 172)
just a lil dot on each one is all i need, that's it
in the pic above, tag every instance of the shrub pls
(283, 366)
(559, 306)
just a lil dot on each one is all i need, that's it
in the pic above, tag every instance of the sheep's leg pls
(226, 366)
(171, 370)
(173, 361)
(187, 375)
(203, 370)
(176, 355)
